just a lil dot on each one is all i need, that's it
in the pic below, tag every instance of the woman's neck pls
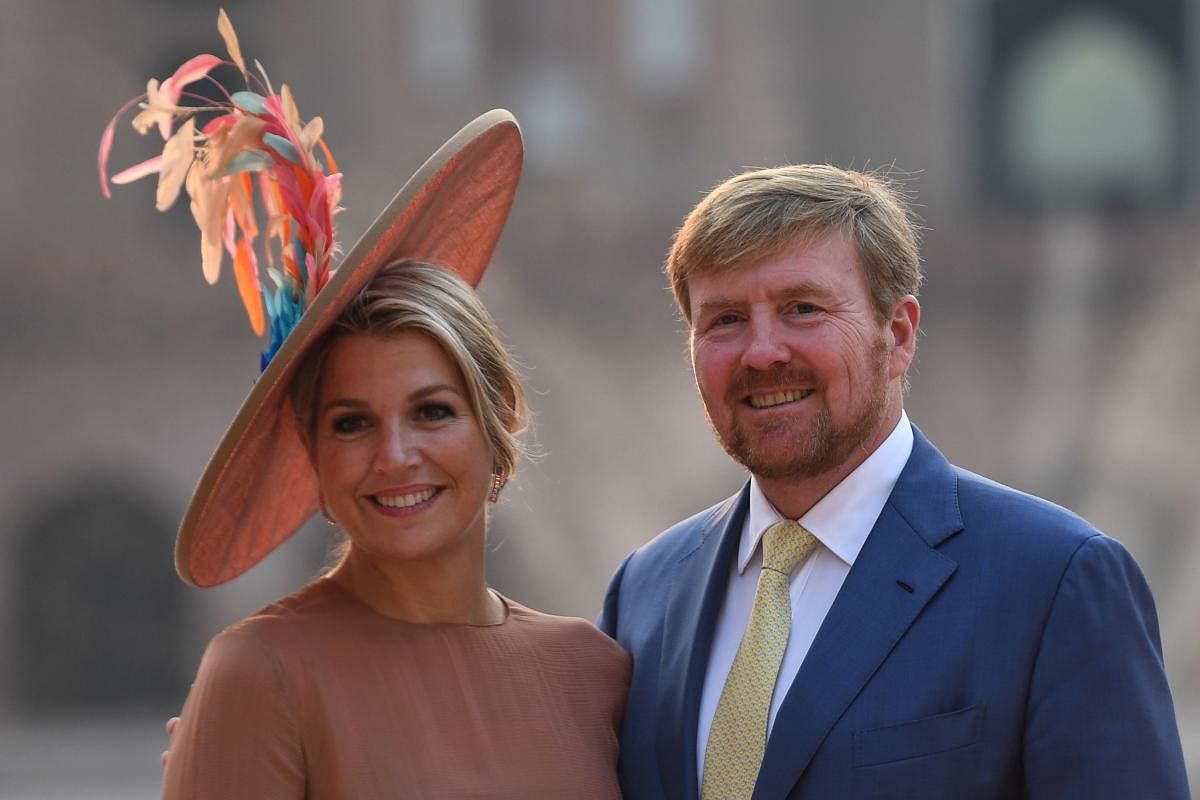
(423, 593)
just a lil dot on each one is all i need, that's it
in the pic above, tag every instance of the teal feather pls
(283, 147)
(253, 102)
(247, 161)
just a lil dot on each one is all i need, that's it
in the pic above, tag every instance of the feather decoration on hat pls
(253, 143)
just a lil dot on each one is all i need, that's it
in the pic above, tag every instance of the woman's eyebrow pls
(426, 391)
(346, 402)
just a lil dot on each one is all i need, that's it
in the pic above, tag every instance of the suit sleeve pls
(1100, 721)
(237, 735)
(610, 616)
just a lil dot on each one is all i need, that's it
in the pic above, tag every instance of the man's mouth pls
(777, 398)
(404, 500)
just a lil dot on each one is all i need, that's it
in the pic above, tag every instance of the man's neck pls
(794, 496)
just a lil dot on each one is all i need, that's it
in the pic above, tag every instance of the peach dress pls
(318, 696)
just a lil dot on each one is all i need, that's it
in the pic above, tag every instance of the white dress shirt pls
(840, 521)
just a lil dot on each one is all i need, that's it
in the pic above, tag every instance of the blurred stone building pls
(1048, 145)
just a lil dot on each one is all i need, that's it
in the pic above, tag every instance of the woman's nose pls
(396, 450)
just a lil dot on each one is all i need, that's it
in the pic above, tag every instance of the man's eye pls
(351, 423)
(724, 319)
(803, 308)
(435, 412)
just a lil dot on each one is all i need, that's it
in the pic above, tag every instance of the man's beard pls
(823, 446)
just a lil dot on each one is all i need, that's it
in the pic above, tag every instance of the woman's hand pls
(171, 724)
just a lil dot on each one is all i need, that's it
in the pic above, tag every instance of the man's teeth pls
(404, 500)
(768, 400)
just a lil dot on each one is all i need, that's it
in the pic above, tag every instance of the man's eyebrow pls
(804, 288)
(811, 288)
(714, 302)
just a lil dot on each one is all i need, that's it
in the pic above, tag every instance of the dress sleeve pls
(238, 736)
(1100, 722)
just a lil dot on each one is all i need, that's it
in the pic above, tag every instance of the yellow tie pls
(738, 737)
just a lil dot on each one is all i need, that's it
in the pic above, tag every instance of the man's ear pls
(902, 326)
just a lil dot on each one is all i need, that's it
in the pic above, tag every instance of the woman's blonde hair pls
(415, 296)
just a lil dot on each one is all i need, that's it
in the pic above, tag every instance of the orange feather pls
(328, 156)
(245, 269)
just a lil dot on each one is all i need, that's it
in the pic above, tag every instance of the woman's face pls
(403, 466)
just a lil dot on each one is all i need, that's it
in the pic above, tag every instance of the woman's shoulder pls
(590, 671)
(567, 632)
(288, 621)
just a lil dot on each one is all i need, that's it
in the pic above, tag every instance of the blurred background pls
(1049, 146)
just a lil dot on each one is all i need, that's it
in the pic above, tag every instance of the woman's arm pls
(238, 736)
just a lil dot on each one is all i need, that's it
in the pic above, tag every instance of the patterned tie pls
(738, 737)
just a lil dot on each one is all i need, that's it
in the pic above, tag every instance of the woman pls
(400, 673)
(388, 402)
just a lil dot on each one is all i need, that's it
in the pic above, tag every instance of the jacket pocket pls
(920, 737)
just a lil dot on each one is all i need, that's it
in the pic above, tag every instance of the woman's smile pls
(404, 500)
(404, 466)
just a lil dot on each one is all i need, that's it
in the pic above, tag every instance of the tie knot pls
(786, 544)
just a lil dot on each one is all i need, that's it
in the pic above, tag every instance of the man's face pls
(798, 375)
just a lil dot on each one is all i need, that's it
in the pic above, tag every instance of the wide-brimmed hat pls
(260, 486)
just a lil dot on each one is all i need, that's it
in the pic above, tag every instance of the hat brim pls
(260, 486)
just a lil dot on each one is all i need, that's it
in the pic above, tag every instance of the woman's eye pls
(351, 423)
(435, 412)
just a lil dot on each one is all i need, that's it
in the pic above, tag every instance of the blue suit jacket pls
(986, 644)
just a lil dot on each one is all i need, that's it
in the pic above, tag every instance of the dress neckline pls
(353, 599)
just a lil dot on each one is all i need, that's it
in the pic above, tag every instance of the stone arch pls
(98, 608)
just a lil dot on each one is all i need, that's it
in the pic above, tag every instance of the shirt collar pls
(842, 519)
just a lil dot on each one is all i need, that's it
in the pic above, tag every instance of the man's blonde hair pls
(760, 213)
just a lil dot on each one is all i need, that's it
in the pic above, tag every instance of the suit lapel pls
(871, 613)
(697, 590)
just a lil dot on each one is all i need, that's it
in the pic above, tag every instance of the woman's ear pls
(510, 412)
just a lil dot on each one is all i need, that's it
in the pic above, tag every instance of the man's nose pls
(765, 345)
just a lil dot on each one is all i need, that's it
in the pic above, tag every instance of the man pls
(918, 631)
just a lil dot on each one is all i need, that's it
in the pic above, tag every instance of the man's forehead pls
(811, 265)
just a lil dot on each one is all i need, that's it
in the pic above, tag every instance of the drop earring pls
(325, 512)
(498, 481)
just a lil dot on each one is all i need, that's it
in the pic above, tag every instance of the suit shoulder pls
(985, 494)
(988, 504)
(647, 570)
(684, 537)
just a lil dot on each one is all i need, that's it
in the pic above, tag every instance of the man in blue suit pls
(930, 633)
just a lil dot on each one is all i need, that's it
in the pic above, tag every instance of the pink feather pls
(106, 143)
(299, 199)
(131, 174)
(190, 71)
(274, 106)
